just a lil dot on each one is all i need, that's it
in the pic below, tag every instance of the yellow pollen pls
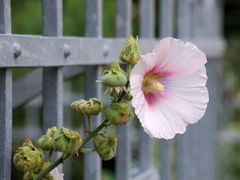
(151, 84)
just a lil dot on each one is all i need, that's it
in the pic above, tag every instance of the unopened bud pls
(46, 142)
(106, 145)
(130, 54)
(119, 114)
(28, 158)
(91, 107)
(114, 77)
(67, 141)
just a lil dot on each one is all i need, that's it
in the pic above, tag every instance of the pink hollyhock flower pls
(168, 87)
(56, 174)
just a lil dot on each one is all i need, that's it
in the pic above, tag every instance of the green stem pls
(51, 167)
(94, 133)
(50, 155)
(89, 124)
(129, 69)
(85, 150)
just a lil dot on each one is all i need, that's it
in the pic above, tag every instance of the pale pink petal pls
(197, 79)
(161, 122)
(189, 103)
(188, 95)
(182, 58)
(56, 174)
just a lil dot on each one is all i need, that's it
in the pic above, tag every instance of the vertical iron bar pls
(93, 28)
(166, 17)
(147, 20)
(5, 17)
(184, 30)
(184, 18)
(124, 18)
(123, 29)
(166, 159)
(52, 97)
(5, 99)
(197, 147)
(146, 31)
(166, 29)
(5, 123)
(184, 164)
(53, 76)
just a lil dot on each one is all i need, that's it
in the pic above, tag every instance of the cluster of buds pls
(62, 140)
(87, 108)
(30, 159)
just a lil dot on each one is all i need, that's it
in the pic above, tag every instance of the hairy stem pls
(89, 124)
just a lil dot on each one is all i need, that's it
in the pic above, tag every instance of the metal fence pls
(195, 20)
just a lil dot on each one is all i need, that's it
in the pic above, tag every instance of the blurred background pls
(26, 19)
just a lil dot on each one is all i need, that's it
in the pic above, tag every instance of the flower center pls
(151, 84)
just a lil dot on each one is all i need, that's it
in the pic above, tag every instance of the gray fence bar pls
(166, 24)
(52, 97)
(5, 99)
(147, 18)
(185, 156)
(184, 18)
(5, 123)
(52, 77)
(124, 18)
(93, 28)
(52, 17)
(166, 159)
(123, 163)
(146, 31)
(5, 17)
(197, 147)
(37, 50)
(166, 20)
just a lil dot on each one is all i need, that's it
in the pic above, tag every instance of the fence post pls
(146, 31)
(5, 99)
(123, 29)
(197, 147)
(166, 23)
(93, 28)
(52, 76)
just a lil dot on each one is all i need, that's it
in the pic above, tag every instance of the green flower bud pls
(106, 145)
(114, 77)
(46, 142)
(130, 54)
(79, 106)
(28, 158)
(67, 141)
(119, 114)
(91, 107)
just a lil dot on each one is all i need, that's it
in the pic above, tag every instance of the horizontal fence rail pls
(38, 51)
